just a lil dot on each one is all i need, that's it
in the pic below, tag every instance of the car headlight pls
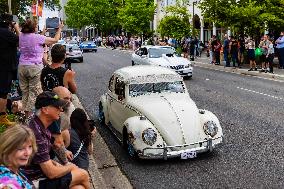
(149, 136)
(210, 128)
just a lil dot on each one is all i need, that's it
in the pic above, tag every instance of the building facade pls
(205, 30)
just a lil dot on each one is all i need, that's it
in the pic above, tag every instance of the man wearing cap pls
(43, 169)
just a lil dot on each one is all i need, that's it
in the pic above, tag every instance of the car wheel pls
(132, 63)
(81, 59)
(128, 146)
(101, 114)
(95, 50)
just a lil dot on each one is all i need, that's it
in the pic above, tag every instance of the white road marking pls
(260, 93)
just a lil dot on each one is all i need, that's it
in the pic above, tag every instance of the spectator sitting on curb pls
(17, 146)
(66, 95)
(80, 143)
(48, 107)
(63, 136)
(55, 75)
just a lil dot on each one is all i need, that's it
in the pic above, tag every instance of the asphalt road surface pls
(250, 111)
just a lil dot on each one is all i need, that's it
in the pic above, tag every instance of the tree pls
(22, 7)
(78, 15)
(135, 16)
(245, 16)
(176, 22)
(100, 13)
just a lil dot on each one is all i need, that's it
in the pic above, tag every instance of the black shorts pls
(262, 58)
(58, 183)
(6, 78)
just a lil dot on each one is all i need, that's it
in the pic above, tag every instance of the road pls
(250, 111)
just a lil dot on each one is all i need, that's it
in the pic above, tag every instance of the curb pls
(276, 77)
(105, 172)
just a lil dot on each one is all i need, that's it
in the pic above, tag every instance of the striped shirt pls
(43, 141)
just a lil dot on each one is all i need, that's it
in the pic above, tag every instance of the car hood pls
(169, 61)
(175, 116)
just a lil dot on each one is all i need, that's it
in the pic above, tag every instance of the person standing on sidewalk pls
(234, 50)
(217, 49)
(263, 45)
(226, 50)
(250, 46)
(270, 57)
(280, 48)
(8, 61)
(241, 41)
(31, 61)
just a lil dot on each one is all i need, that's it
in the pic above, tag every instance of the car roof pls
(155, 47)
(147, 73)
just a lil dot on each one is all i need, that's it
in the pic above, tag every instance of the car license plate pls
(188, 154)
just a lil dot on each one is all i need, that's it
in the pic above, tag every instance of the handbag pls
(258, 52)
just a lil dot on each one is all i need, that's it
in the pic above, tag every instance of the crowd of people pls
(239, 49)
(50, 148)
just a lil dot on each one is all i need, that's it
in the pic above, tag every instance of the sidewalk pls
(101, 178)
(203, 61)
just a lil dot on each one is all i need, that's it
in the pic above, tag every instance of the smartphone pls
(67, 64)
(15, 18)
(52, 23)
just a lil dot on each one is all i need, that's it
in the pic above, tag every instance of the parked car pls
(150, 111)
(88, 46)
(164, 56)
(73, 52)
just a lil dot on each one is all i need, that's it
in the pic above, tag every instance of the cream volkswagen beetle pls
(149, 109)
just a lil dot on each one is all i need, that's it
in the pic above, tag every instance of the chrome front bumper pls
(167, 152)
(185, 71)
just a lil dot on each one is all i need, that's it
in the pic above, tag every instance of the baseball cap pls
(48, 98)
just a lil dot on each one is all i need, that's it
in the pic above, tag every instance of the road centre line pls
(260, 93)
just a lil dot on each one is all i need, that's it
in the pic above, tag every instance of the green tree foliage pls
(176, 22)
(135, 16)
(22, 7)
(77, 14)
(100, 13)
(249, 16)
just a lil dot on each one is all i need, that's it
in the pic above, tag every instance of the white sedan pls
(73, 52)
(150, 111)
(164, 56)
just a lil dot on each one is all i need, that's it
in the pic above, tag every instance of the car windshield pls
(75, 47)
(148, 88)
(157, 52)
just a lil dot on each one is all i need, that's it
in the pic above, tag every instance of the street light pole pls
(193, 15)
(9, 6)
